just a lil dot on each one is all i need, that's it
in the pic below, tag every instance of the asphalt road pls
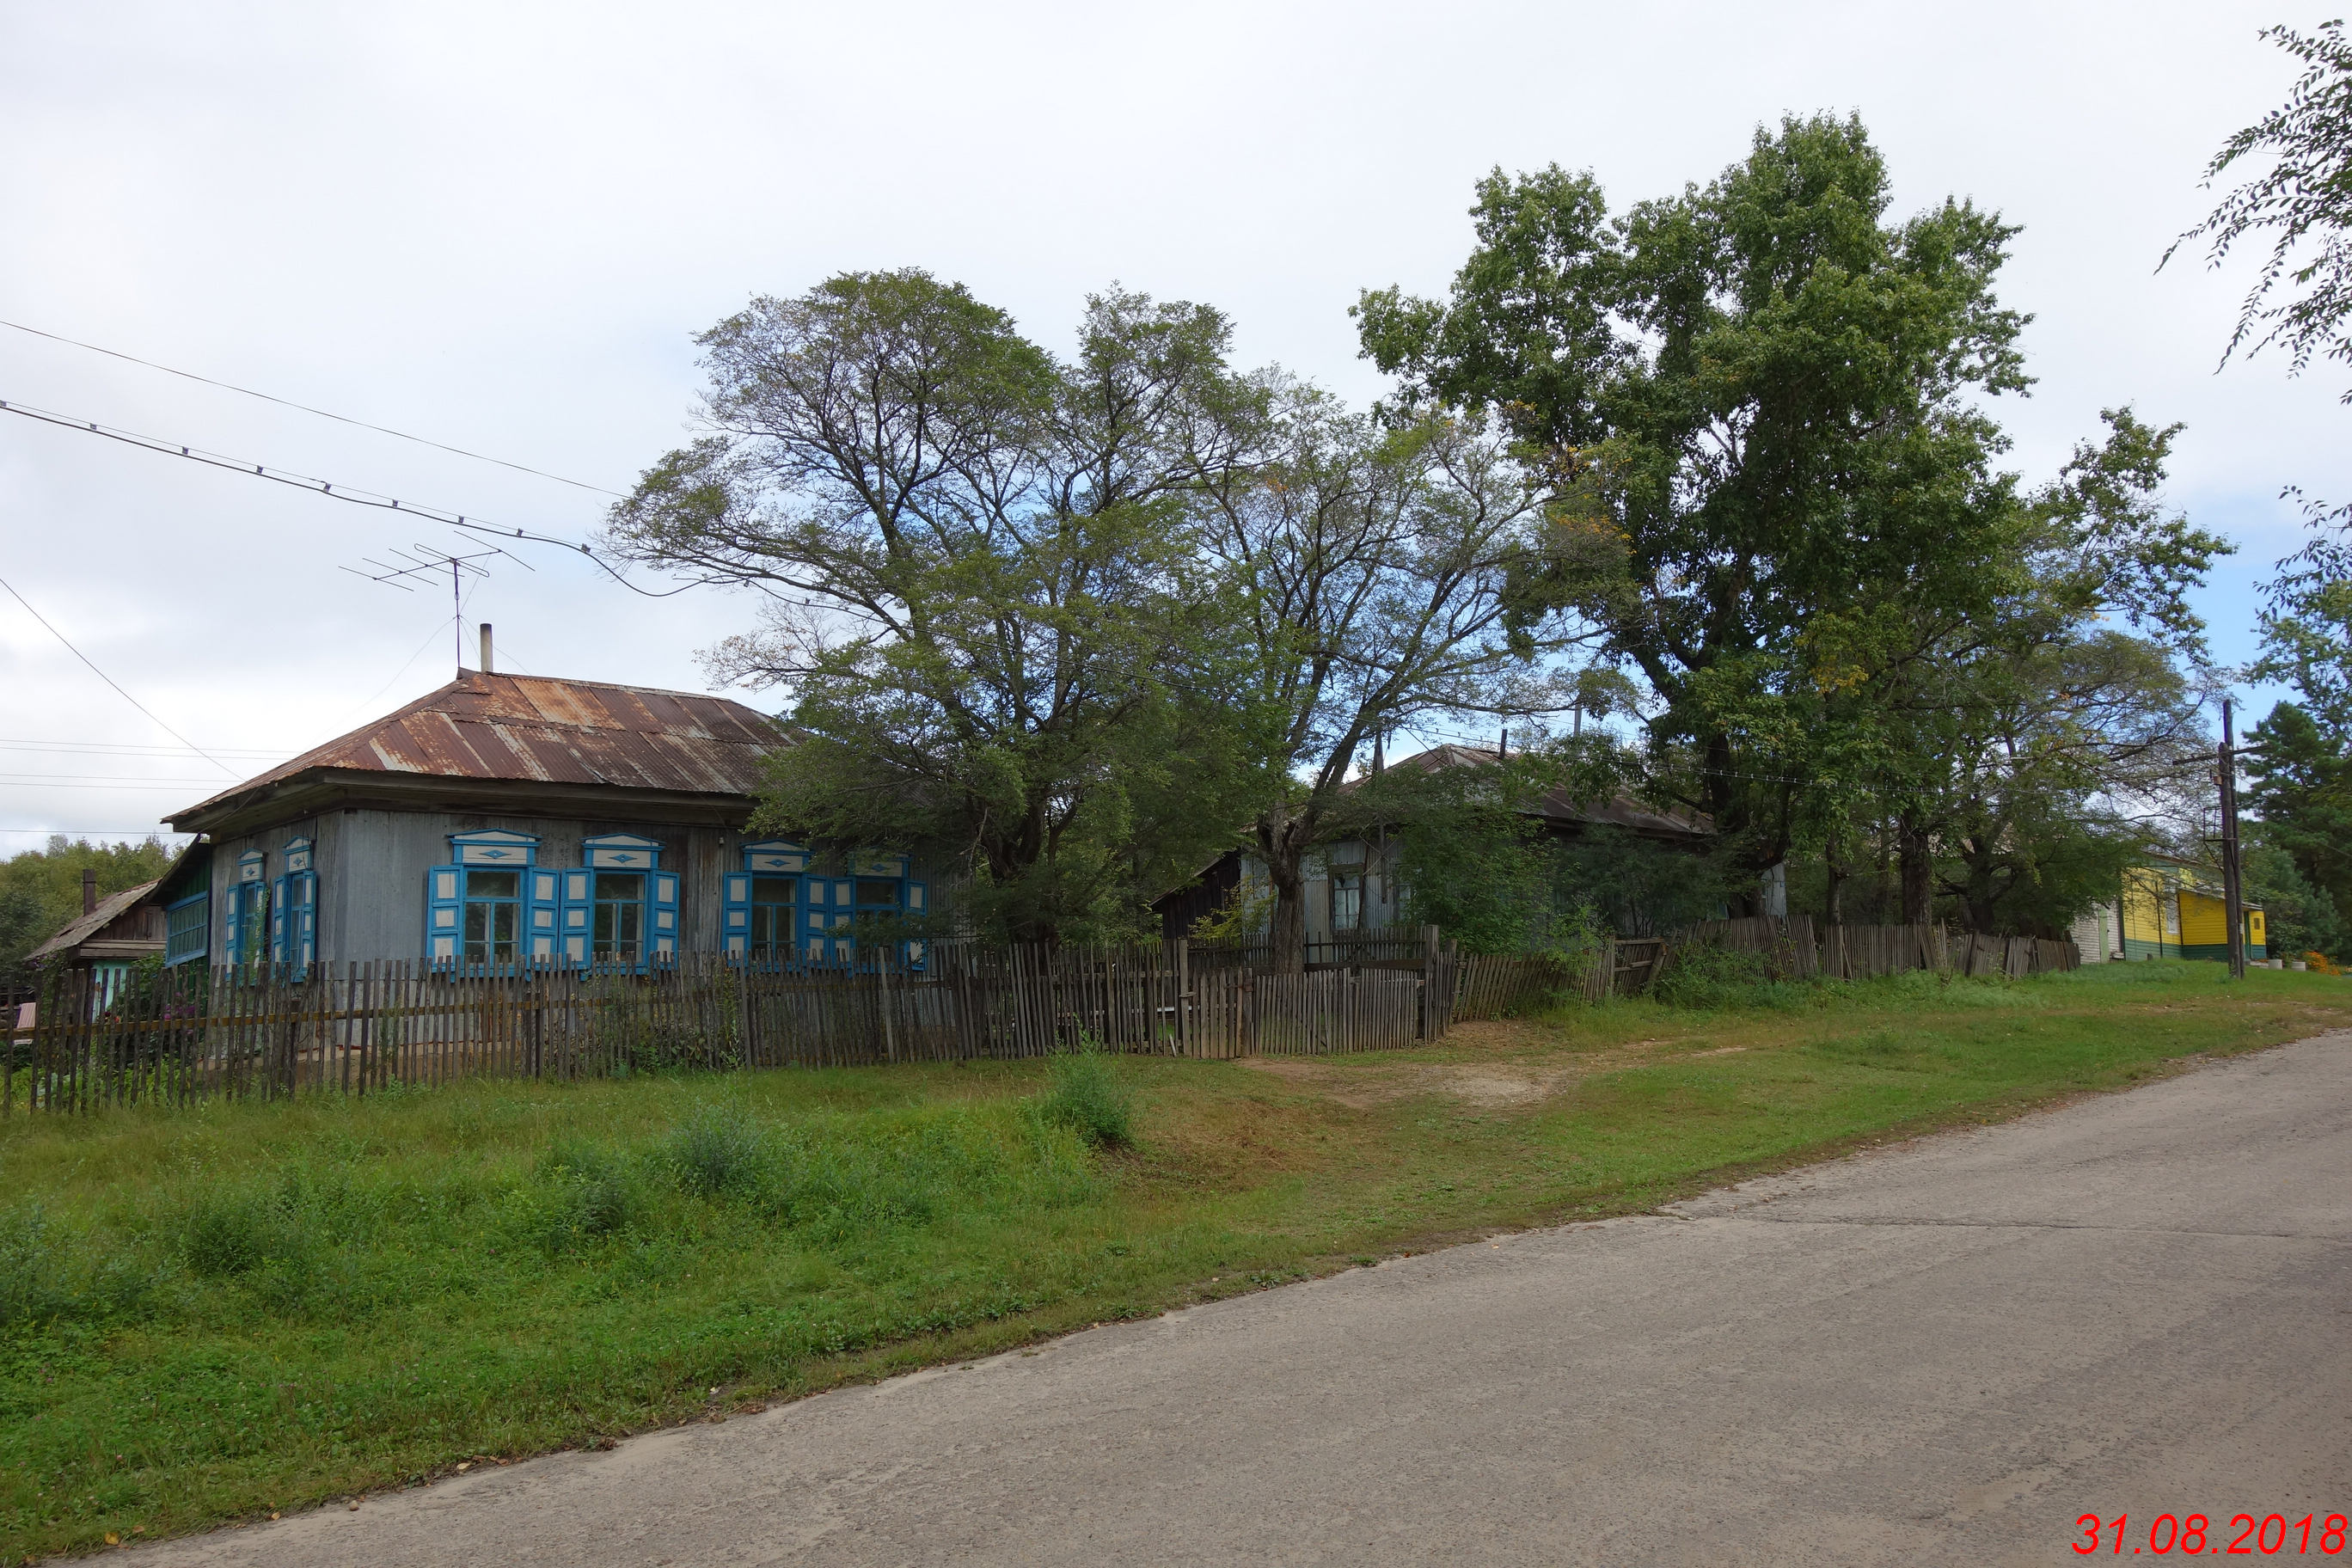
(1942, 1353)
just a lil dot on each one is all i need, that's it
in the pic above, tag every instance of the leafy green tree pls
(1469, 856)
(1374, 572)
(2300, 301)
(40, 892)
(1775, 486)
(1765, 397)
(2299, 785)
(2297, 918)
(2301, 204)
(984, 599)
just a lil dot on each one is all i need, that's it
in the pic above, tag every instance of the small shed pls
(109, 935)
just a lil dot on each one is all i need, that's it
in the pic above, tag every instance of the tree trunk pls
(1281, 844)
(1834, 861)
(1918, 869)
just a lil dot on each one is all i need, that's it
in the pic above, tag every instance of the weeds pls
(717, 1153)
(1086, 1094)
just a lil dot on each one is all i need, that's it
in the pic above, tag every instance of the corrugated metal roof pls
(529, 729)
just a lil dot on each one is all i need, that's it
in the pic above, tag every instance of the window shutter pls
(845, 921)
(445, 887)
(542, 915)
(574, 917)
(665, 916)
(918, 905)
(232, 926)
(735, 923)
(302, 921)
(282, 925)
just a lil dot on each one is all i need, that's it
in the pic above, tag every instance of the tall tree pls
(2301, 204)
(1765, 394)
(2023, 729)
(983, 599)
(2300, 785)
(2300, 301)
(1377, 573)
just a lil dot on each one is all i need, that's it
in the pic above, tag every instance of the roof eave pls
(320, 790)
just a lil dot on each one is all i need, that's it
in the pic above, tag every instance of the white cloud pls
(499, 226)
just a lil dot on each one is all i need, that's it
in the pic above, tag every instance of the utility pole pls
(2232, 892)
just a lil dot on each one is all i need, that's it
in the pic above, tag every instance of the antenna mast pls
(424, 562)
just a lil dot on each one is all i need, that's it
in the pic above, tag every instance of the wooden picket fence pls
(1792, 949)
(355, 1028)
(192, 1035)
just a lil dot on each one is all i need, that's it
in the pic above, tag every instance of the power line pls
(175, 788)
(159, 831)
(127, 748)
(324, 488)
(290, 402)
(93, 778)
(109, 680)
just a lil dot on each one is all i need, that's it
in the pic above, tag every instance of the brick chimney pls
(89, 890)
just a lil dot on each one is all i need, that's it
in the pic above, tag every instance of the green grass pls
(216, 1313)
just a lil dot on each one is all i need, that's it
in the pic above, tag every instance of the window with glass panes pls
(878, 898)
(492, 920)
(772, 902)
(617, 919)
(1346, 898)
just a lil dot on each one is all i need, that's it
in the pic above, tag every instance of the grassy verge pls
(213, 1314)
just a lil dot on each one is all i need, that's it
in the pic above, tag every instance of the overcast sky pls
(500, 225)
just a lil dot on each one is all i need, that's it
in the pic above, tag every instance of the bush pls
(226, 1235)
(1086, 1094)
(718, 1152)
(1709, 976)
(584, 1192)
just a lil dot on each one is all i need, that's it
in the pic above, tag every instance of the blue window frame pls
(245, 927)
(616, 917)
(878, 892)
(621, 908)
(490, 929)
(484, 910)
(187, 928)
(760, 915)
(294, 911)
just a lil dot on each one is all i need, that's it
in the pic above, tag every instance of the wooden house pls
(107, 939)
(2166, 908)
(1353, 883)
(511, 818)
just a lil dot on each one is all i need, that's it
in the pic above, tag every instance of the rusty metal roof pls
(528, 729)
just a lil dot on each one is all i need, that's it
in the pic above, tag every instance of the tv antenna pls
(424, 562)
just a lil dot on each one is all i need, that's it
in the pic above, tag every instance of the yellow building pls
(2173, 910)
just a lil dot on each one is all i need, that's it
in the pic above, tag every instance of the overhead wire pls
(305, 408)
(111, 681)
(130, 750)
(327, 487)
